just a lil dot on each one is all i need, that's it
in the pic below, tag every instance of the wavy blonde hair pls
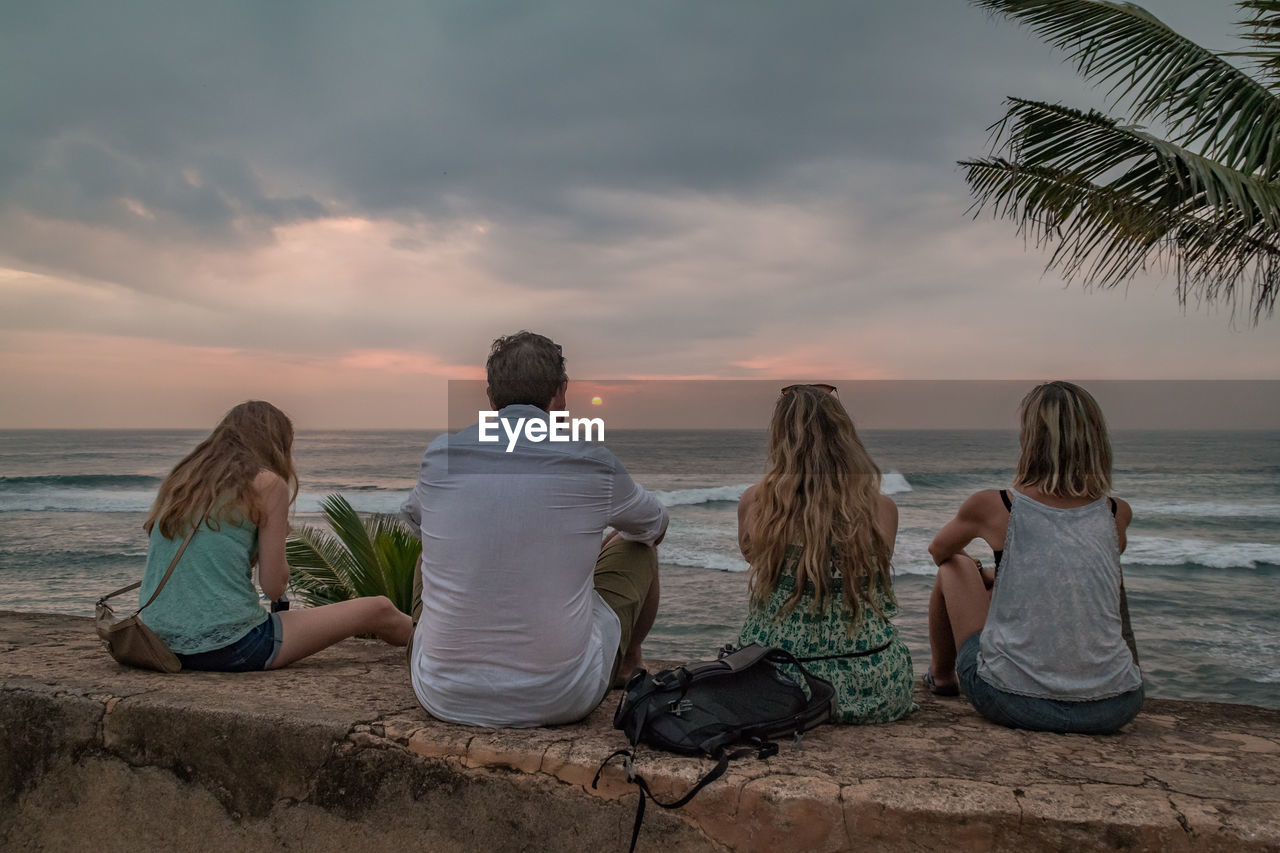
(215, 481)
(1064, 445)
(821, 491)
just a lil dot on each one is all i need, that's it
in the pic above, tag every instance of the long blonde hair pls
(1064, 445)
(215, 481)
(821, 491)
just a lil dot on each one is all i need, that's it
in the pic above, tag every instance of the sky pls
(337, 207)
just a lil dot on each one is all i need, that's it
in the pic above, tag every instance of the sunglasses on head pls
(821, 386)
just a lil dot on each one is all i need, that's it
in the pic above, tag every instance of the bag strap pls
(818, 687)
(866, 653)
(722, 763)
(164, 580)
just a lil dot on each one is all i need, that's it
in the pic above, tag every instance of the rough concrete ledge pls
(335, 754)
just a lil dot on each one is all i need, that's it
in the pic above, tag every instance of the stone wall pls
(334, 753)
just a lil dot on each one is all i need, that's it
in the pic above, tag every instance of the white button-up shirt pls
(512, 631)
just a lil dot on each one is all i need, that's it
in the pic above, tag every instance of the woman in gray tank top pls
(1042, 641)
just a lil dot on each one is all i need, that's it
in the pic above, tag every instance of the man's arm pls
(411, 513)
(637, 515)
(411, 509)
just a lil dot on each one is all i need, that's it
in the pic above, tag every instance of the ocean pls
(1202, 568)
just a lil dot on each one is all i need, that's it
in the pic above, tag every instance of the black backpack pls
(722, 709)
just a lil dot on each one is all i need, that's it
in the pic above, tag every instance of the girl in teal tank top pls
(211, 601)
(833, 602)
(235, 489)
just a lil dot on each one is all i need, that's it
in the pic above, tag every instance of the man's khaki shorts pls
(624, 573)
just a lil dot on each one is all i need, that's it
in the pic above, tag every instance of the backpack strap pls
(628, 763)
(822, 694)
(744, 657)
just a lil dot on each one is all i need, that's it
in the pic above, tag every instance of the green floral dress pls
(869, 689)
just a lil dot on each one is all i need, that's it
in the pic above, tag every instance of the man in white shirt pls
(525, 618)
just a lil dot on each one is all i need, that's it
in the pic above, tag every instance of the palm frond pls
(1130, 160)
(360, 557)
(1114, 202)
(1163, 75)
(398, 552)
(351, 531)
(1263, 30)
(320, 566)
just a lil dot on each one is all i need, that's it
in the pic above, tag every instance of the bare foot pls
(942, 687)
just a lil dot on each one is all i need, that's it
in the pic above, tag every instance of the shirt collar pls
(522, 410)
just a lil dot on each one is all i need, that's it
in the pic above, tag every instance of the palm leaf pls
(1117, 201)
(398, 552)
(1263, 30)
(1153, 170)
(351, 531)
(320, 566)
(360, 557)
(1163, 75)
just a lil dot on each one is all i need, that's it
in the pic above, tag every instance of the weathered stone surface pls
(335, 754)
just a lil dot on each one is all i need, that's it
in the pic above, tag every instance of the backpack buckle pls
(677, 707)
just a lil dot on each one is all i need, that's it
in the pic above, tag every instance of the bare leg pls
(957, 610)
(309, 630)
(633, 659)
(942, 645)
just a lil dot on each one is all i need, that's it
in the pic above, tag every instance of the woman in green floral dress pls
(819, 537)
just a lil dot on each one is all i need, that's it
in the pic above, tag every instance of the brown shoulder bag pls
(129, 640)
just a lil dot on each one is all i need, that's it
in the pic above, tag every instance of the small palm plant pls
(357, 557)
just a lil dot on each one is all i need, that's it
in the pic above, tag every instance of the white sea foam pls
(1206, 509)
(911, 554)
(710, 494)
(77, 500)
(690, 556)
(137, 500)
(364, 499)
(1164, 551)
(893, 483)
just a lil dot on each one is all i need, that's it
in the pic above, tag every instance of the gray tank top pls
(1054, 628)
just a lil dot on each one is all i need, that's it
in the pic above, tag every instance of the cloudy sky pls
(337, 206)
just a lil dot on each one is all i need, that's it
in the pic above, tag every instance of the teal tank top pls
(210, 600)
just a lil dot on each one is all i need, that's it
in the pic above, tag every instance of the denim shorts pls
(254, 651)
(1091, 717)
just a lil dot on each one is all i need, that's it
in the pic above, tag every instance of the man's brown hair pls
(524, 368)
